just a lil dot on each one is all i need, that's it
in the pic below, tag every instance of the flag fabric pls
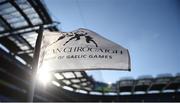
(81, 49)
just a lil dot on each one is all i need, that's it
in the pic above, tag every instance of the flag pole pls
(30, 94)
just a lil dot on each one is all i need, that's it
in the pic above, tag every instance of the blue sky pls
(150, 29)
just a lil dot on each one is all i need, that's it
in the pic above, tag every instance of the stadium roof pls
(19, 22)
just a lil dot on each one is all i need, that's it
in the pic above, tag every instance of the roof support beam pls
(26, 27)
(21, 12)
(24, 52)
(1, 3)
(40, 10)
(26, 42)
(149, 88)
(166, 86)
(5, 23)
(133, 86)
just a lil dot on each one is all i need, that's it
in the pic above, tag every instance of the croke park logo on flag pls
(81, 49)
(76, 36)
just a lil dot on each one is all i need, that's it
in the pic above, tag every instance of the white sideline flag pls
(81, 49)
